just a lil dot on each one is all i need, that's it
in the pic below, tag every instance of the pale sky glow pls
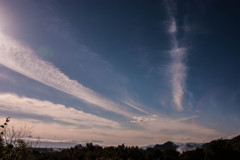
(117, 72)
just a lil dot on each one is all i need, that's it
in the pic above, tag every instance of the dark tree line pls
(95, 152)
(216, 150)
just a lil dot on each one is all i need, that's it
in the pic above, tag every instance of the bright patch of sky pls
(113, 72)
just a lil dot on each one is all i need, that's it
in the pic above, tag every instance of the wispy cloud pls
(57, 112)
(177, 68)
(23, 60)
(175, 128)
(135, 105)
(83, 126)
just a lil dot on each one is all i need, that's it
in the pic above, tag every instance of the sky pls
(110, 72)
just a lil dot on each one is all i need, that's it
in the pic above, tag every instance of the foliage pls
(12, 147)
(218, 149)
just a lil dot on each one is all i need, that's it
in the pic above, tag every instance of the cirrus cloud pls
(59, 113)
(177, 68)
(23, 60)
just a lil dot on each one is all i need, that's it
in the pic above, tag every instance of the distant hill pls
(233, 143)
(43, 144)
(167, 145)
(149, 146)
(180, 147)
(183, 147)
(221, 149)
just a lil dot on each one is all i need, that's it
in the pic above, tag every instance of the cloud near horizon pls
(175, 128)
(63, 119)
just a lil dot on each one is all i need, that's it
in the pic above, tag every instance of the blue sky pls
(113, 72)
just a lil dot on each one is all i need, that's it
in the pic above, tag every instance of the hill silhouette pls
(167, 145)
(221, 149)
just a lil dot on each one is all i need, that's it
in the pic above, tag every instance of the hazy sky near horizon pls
(117, 71)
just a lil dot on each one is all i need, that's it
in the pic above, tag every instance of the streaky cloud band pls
(57, 112)
(177, 68)
(23, 60)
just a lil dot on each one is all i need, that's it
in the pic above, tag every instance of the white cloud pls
(177, 68)
(178, 76)
(173, 26)
(58, 112)
(134, 104)
(151, 127)
(23, 60)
